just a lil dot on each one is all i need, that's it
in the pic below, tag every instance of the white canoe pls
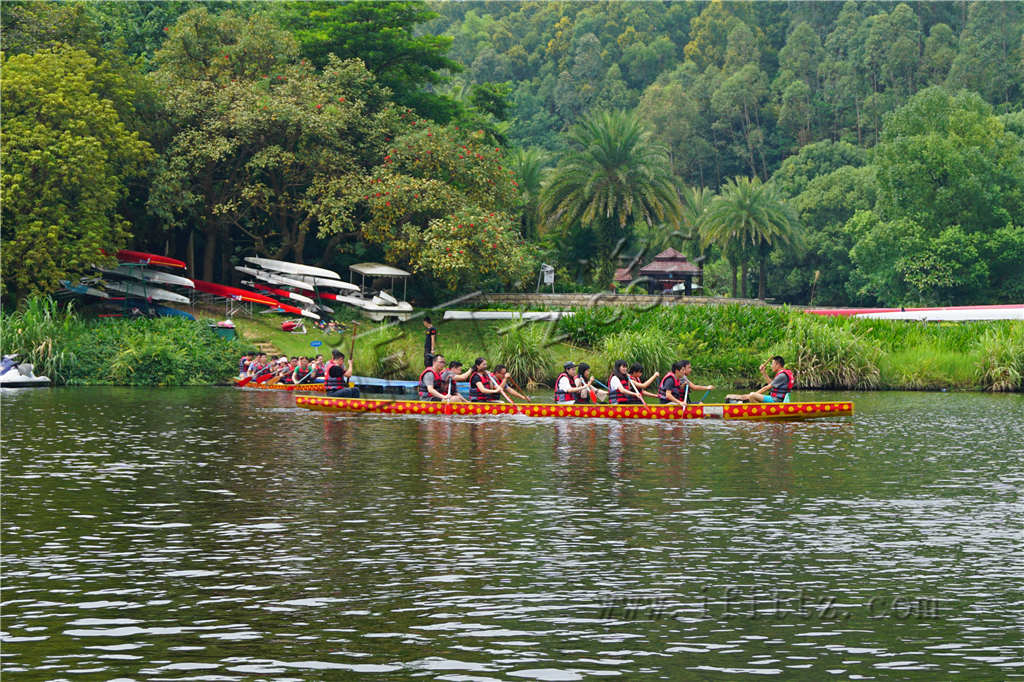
(961, 314)
(292, 268)
(83, 290)
(145, 291)
(147, 275)
(327, 283)
(387, 298)
(274, 278)
(505, 315)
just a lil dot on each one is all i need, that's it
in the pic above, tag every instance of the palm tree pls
(749, 214)
(530, 166)
(613, 175)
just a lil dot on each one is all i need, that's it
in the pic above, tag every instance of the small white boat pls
(327, 283)
(82, 290)
(292, 268)
(147, 275)
(374, 309)
(19, 375)
(274, 278)
(505, 315)
(147, 292)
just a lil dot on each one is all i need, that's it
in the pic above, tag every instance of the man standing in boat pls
(777, 388)
(337, 376)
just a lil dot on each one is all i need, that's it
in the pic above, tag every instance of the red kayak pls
(243, 295)
(142, 258)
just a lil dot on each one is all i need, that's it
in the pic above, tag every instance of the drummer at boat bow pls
(570, 388)
(775, 391)
(337, 376)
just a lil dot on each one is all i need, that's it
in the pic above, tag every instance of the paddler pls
(777, 388)
(304, 371)
(569, 389)
(429, 385)
(585, 377)
(500, 377)
(626, 388)
(337, 376)
(483, 388)
(450, 379)
(687, 368)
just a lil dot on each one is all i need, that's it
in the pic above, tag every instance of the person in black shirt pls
(431, 340)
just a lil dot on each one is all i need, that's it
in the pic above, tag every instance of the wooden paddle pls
(242, 382)
(638, 390)
(352, 350)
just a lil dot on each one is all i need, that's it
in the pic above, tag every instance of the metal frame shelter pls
(379, 270)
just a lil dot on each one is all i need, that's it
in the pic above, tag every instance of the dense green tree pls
(613, 175)
(990, 58)
(67, 158)
(529, 166)
(749, 213)
(442, 202)
(258, 133)
(384, 36)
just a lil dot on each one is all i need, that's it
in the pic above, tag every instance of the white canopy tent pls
(371, 270)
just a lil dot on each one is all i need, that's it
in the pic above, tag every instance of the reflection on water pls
(216, 534)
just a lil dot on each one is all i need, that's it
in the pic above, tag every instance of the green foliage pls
(67, 159)
(525, 350)
(646, 346)
(36, 333)
(826, 353)
(166, 351)
(1001, 366)
(383, 36)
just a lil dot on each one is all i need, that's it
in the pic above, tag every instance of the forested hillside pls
(811, 152)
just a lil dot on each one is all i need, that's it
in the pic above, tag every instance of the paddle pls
(506, 395)
(639, 391)
(242, 382)
(701, 401)
(352, 349)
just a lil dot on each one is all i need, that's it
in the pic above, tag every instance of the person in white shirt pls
(567, 388)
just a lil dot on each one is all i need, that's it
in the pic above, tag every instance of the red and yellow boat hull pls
(762, 411)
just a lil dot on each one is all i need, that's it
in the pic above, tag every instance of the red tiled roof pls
(623, 275)
(669, 261)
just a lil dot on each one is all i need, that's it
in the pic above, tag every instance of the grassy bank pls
(725, 343)
(139, 352)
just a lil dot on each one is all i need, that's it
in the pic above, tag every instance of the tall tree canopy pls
(613, 175)
(383, 36)
(67, 158)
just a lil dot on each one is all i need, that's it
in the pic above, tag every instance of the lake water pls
(222, 534)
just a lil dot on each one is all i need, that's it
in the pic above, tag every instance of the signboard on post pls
(546, 276)
(316, 344)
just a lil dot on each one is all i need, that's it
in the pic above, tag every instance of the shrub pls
(649, 348)
(37, 334)
(525, 349)
(1001, 367)
(826, 354)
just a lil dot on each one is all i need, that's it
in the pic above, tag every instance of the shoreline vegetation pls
(725, 343)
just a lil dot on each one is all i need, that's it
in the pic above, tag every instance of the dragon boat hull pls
(755, 411)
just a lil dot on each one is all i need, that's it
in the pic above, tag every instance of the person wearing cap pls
(567, 388)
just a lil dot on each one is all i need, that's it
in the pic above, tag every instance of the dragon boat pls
(730, 411)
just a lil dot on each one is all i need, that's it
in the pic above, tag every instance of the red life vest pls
(475, 394)
(421, 388)
(615, 396)
(333, 383)
(673, 387)
(781, 393)
(560, 395)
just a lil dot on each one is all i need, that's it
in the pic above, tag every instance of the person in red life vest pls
(320, 366)
(626, 388)
(672, 387)
(687, 368)
(450, 379)
(569, 389)
(429, 385)
(259, 367)
(337, 376)
(777, 388)
(243, 365)
(482, 387)
(304, 372)
(500, 377)
(585, 377)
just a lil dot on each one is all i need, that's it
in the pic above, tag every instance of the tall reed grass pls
(1001, 363)
(526, 350)
(37, 334)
